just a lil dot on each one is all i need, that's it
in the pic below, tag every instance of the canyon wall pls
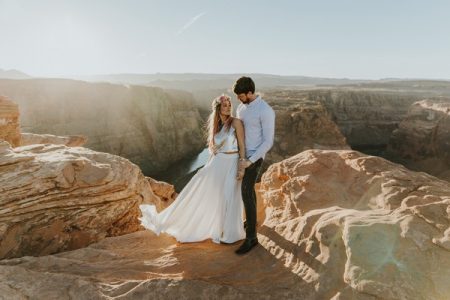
(150, 126)
(367, 119)
(301, 124)
(422, 141)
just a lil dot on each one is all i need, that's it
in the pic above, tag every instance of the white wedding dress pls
(210, 206)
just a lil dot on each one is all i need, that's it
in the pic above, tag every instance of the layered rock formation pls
(151, 127)
(301, 124)
(338, 225)
(422, 141)
(56, 198)
(358, 227)
(70, 141)
(9, 122)
(335, 224)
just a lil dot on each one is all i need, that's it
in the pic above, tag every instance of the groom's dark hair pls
(244, 85)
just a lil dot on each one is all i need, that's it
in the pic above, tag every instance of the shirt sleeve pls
(268, 133)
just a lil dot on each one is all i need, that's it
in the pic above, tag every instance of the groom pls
(259, 124)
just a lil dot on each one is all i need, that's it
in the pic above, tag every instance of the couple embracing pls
(212, 204)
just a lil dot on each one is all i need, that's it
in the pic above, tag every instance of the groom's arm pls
(268, 132)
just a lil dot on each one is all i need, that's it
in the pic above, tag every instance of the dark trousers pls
(249, 196)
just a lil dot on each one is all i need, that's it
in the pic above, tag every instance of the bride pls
(210, 206)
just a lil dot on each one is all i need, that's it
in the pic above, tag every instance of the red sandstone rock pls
(9, 122)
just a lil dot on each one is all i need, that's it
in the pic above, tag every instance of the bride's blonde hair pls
(214, 123)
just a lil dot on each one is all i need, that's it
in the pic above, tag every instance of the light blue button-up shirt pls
(259, 124)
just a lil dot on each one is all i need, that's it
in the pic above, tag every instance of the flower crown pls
(221, 99)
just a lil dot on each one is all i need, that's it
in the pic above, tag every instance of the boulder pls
(358, 226)
(55, 198)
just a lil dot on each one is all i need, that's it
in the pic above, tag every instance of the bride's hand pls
(213, 149)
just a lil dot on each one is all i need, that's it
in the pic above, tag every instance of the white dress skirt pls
(209, 207)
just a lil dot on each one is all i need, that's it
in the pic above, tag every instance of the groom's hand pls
(244, 164)
(240, 174)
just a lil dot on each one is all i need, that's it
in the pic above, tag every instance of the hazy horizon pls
(326, 39)
(75, 76)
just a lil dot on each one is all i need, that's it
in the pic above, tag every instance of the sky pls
(334, 38)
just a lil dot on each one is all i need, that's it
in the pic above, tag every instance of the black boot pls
(247, 245)
(245, 224)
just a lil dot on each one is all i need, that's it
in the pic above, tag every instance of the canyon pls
(333, 223)
(152, 127)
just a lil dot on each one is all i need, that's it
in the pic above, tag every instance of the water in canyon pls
(181, 172)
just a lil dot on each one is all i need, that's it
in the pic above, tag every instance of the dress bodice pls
(226, 140)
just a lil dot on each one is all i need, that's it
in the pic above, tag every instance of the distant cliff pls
(422, 141)
(394, 125)
(13, 74)
(366, 118)
(301, 124)
(150, 126)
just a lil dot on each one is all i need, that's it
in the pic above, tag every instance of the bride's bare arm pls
(240, 135)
